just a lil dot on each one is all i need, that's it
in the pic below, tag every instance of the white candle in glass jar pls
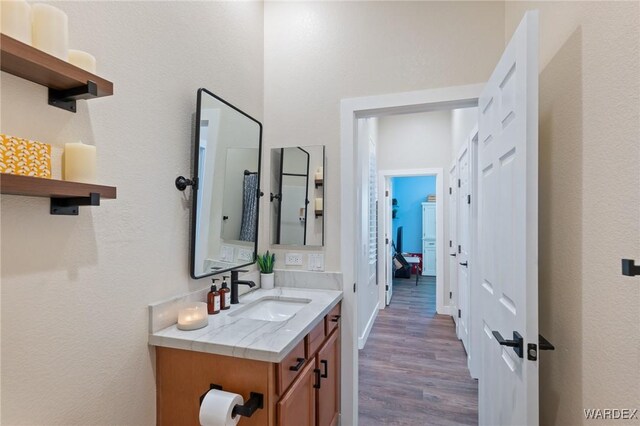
(193, 316)
(16, 20)
(319, 204)
(83, 60)
(80, 163)
(50, 30)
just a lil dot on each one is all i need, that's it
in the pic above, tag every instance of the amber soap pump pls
(213, 299)
(225, 295)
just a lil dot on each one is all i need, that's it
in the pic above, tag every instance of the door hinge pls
(450, 243)
(459, 249)
(386, 241)
(458, 183)
(386, 287)
(450, 191)
(469, 199)
(354, 287)
(386, 193)
(450, 294)
(459, 313)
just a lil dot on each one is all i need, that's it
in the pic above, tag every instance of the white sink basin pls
(271, 308)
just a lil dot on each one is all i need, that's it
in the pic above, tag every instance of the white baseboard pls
(362, 340)
(445, 310)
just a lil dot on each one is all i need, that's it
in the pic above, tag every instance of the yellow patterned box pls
(24, 157)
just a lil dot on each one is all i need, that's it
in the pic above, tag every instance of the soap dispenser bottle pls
(225, 295)
(213, 299)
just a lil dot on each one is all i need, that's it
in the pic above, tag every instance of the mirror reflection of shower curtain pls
(249, 208)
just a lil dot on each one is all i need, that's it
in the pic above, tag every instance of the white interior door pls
(452, 245)
(388, 237)
(464, 245)
(508, 231)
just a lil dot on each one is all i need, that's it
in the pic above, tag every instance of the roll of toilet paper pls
(217, 408)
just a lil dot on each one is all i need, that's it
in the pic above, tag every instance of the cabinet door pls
(328, 361)
(429, 262)
(297, 407)
(429, 221)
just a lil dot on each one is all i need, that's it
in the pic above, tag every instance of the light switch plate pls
(245, 255)
(293, 259)
(316, 262)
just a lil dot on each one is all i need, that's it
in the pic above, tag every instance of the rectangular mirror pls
(297, 196)
(225, 201)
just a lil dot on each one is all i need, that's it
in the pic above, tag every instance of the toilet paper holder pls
(255, 402)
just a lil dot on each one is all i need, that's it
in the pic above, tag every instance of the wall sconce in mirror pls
(297, 196)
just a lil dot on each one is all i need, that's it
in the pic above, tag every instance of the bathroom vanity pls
(283, 343)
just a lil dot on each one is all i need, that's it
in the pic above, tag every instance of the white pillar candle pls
(82, 60)
(16, 20)
(319, 202)
(80, 163)
(50, 30)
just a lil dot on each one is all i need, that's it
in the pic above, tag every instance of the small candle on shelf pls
(319, 202)
(193, 316)
(82, 60)
(80, 163)
(50, 30)
(320, 173)
(16, 20)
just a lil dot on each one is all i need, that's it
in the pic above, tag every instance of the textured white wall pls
(589, 205)
(419, 141)
(75, 289)
(317, 53)
(463, 120)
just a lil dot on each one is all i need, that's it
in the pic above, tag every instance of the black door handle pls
(465, 264)
(317, 383)
(299, 365)
(452, 254)
(544, 344)
(517, 343)
(326, 368)
(335, 318)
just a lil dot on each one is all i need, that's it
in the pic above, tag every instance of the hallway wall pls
(317, 53)
(589, 205)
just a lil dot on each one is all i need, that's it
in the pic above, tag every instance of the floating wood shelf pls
(65, 196)
(65, 81)
(319, 182)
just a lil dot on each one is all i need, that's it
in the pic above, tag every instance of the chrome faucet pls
(234, 285)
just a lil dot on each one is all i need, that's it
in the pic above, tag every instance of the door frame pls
(350, 162)
(438, 172)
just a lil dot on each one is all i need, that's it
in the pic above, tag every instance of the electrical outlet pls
(316, 262)
(293, 259)
(226, 253)
(245, 255)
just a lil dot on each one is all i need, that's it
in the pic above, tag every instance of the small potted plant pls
(265, 263)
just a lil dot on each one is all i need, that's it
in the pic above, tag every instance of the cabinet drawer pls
(332, 320)
(314, 339)
(290, 367)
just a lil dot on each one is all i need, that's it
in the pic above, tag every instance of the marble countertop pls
(259, 340)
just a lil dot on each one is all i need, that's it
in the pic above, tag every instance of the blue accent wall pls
(411, 192)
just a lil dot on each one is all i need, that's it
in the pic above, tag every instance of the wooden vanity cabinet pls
(302, 390)
(323, 350)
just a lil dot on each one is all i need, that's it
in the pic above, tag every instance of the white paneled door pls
(508, 233)
(463, 205)
(453, 244)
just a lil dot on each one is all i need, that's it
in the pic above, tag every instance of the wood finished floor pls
(413, 369)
